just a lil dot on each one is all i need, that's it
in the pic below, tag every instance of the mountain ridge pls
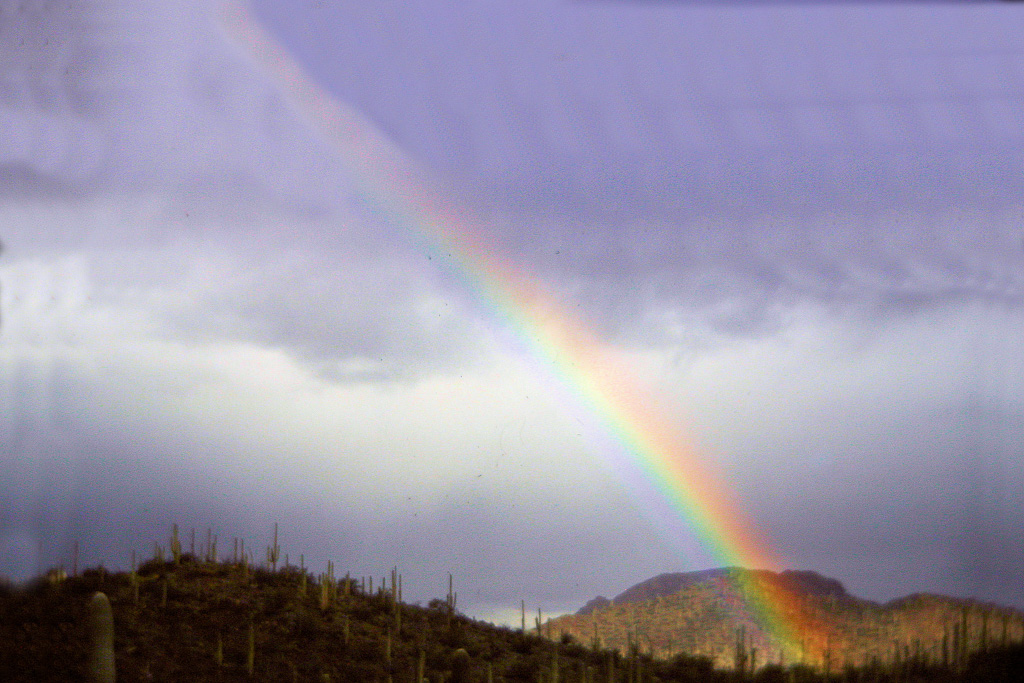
(736, 617)
(672, 582)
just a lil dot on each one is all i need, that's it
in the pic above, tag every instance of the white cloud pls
(176, 342)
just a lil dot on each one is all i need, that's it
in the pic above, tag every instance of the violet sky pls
(803, 223)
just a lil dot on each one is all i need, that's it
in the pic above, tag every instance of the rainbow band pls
(653, 453)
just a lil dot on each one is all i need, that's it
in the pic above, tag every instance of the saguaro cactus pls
(325, 591)
(460, 666)
(133, 579)
(273, 552)
(452, 598)
(175, 546)
(741, 651)
(250, 656)
(101, 626)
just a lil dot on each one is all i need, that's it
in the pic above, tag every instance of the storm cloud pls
(802, 225)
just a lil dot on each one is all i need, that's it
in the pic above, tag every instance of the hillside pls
(181, 618)
(731, 615)
(194, 619)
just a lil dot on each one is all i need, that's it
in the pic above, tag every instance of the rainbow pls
(651, 451)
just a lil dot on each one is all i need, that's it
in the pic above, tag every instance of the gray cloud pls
(345, 315)
(550, 107)
(699, 282)
(819, 257)
(851, 156)
(107, 96)
(752, 225)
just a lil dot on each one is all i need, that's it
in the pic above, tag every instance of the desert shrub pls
(155, 567)
(773, 673)
(686, 669)
(521, 669)
(302, 622)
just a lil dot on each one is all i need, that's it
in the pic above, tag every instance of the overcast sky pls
(800, 226)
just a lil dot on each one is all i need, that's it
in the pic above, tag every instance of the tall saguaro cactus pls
(461, 667)
(274, 552)
(101, 627)
(250, 655)
(175, 546)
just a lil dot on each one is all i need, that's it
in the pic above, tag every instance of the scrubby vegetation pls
(185, 618)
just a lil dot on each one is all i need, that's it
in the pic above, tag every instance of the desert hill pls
(189, 618)
(745, 617)
(807, 582)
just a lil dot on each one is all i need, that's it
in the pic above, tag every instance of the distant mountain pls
(739, 617)
(807, 582)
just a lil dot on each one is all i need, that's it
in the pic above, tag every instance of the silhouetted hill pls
(195, 621)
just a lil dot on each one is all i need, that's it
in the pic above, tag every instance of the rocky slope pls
(738, 617)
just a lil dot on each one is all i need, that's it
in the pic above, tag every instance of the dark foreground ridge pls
(186, 618)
